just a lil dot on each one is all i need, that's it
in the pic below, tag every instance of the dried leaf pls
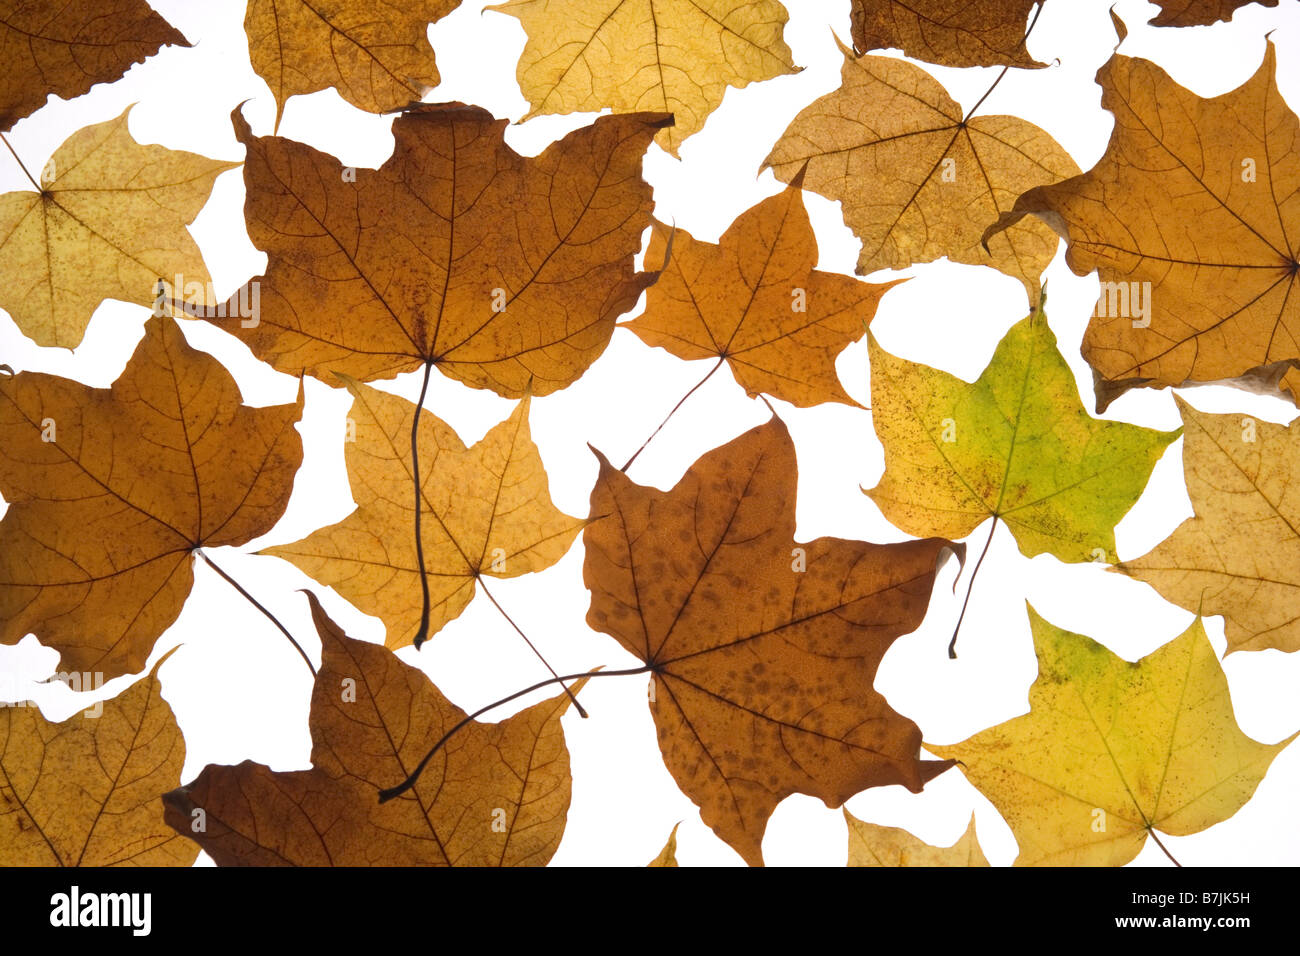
(1016, 444)
(377, 54)
(1240, 555)
(494, 795)
(109, 224)
(485, 510)
(1186, 218)
(668, 855)
(916, 178)
(1194, 13)
(85, 792)
(950, 32)
(111, 490)
(66, 47)
(762, 651)
(1111, 750)
(872, 845)
(756, 300)
(678, 56)
(500, 270)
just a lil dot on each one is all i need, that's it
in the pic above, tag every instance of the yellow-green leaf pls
(1111, 750)
(1016, 445)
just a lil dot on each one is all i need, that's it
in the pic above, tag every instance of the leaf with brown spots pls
(64, 47)
(85, 792)
(756, 300)
(110, 491)
(1191, 219)
(376, 53)
(916, 177)
(762, 650)
(495, 795)
(948, 32)
(505, 272)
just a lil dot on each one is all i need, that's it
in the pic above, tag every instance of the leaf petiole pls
(257, 604)
(409, 782)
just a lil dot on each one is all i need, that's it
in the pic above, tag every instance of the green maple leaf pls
(1015, 445)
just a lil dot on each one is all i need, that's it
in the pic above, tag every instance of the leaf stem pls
(423, 633)
(409, 782)
(1025, 39)
(693, 390)
(1155, 836)
(970, 586)
(257, 604)
(22, 165)
(531, 646)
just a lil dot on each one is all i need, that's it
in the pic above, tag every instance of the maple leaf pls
(1239, 555)
(756, 300)
(762, 651)
(109, 225)
(1189, 218)
(497, 794)
(916, 178)
(678, 56)
(1015, 445)
(110, 491)
(1193, 13)
(505, 272)
(485, 510)
(950, 32)
(668, 855)
(872, 845)
(65, 48)
(85, 792)
(379, 60)
(1112, 750)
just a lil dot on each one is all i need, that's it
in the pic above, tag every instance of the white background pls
(241, 692)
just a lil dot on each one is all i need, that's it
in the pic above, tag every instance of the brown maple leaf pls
(376, 53)
(66, 47)
(110, 491)
(1193, 13)
(755, 300)
(85, 792)
(916, 177)
(949, 32)
(1190, 219)
(496, 794)
(762, 651)
(502, 271)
